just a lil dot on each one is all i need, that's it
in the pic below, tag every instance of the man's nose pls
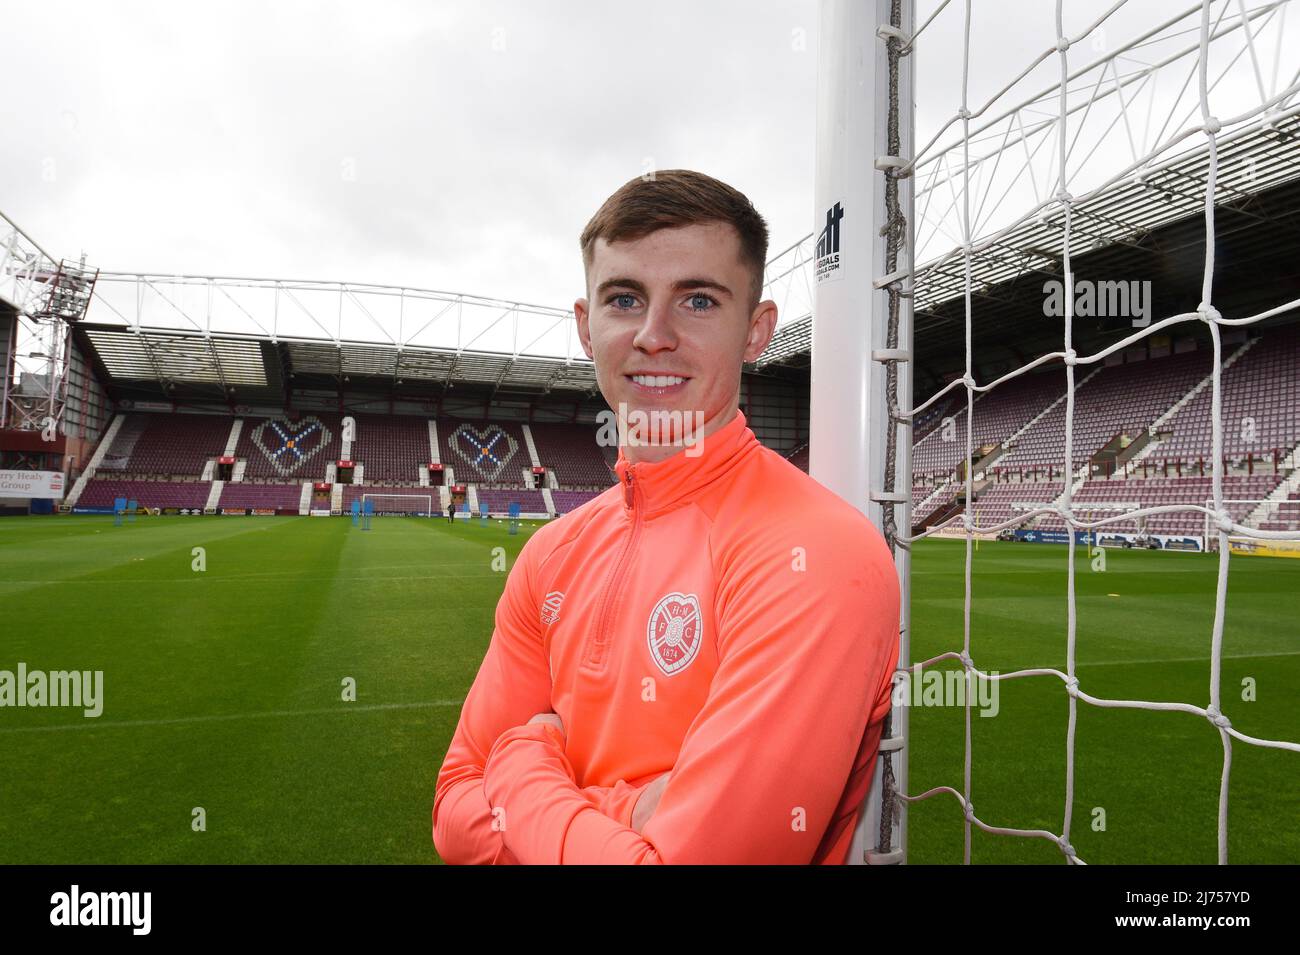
(657, 332)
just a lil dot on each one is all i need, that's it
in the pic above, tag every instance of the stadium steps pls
(237, 472)
(471, 497)
(1080, 479)
(435, 456)
(304, 501)
(807, 448)
(214, 495)
(532, 448)
(105, 443)
(345, 448)
(940, 515)
(989, 459)
(1010, 442)
(1139, 444)
(1154, 428)
(946, 488)
(232, 442)
(1081, 474)
(550, 501)
(1288, 486)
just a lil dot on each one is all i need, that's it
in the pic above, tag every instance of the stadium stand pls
(392, 449)
(566, 501)
(996, 416)
(1287, 515)
(483, 451)
(1264, 387)
(158, 458)
(1119, 399)
(499, 500)
(288, 448)
(930, 418)
(996, 503)
(1167, 396)
(279, 496)
(176, 445)
(1154, 492)
(572, 453)
(190, 494)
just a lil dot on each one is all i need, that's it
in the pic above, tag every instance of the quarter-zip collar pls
(654, 487)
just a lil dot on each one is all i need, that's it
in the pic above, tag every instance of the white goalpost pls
(861, 333)
(872, 179)
(413, 505)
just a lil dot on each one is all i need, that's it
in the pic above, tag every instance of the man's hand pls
(647, 802)
(551, 718)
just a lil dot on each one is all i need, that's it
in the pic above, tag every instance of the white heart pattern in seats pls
(487, 451)
(291, 444)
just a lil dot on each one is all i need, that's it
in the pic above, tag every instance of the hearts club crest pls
(675, 631)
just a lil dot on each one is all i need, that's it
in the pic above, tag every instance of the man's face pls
(674, 303)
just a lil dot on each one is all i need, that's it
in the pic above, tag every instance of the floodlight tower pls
(44, 299)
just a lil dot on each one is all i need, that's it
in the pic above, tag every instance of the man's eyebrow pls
(679, 286)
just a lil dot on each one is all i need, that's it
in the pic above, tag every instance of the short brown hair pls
(670, 198)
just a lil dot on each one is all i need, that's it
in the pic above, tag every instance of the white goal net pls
(1185, 111)
(386, 505)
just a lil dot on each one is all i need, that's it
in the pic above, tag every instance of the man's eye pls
(621, 295)
(709, 301)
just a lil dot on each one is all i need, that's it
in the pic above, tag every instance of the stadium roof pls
(168, 340)
(1151, 229)
(149, 363)
(261, 339)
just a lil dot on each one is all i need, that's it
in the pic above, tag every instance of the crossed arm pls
(805, 661)
(472, 832)
(513, 684)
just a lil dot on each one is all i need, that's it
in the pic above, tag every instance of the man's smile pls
(656, 384)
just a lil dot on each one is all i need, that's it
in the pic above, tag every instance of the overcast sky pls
(455, 146)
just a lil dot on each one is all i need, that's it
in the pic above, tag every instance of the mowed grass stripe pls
(290, 606)
(1154, 775)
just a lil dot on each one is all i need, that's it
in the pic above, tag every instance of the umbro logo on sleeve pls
(551, 607)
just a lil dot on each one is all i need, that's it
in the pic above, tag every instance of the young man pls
(685, 669)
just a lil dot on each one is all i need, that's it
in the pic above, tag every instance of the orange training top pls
(718, 614)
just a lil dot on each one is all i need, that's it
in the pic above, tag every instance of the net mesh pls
(415, 504)
(1058, 211)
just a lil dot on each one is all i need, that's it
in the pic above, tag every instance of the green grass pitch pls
(223, 690)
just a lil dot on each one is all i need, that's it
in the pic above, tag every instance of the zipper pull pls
(627, 490)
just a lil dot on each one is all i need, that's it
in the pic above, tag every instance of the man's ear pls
(582, 316)
(762, 326)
